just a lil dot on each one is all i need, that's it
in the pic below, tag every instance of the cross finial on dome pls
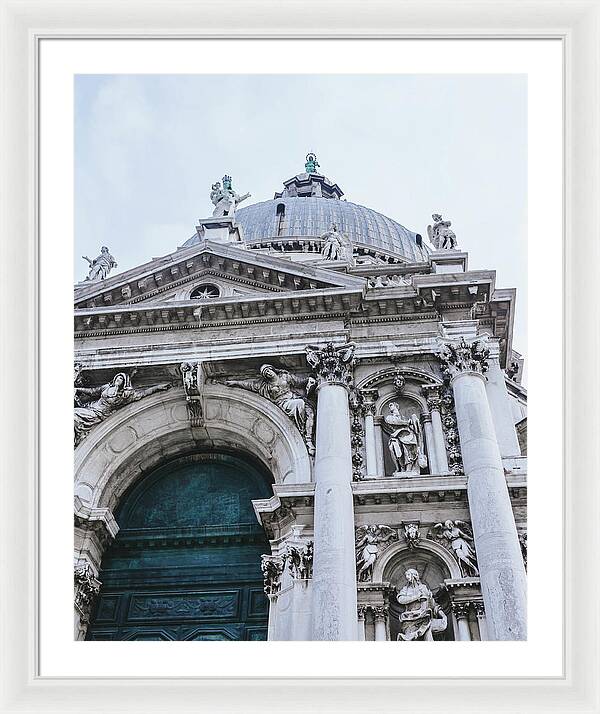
(311, 164)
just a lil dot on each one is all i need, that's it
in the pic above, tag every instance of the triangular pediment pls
(231, 270)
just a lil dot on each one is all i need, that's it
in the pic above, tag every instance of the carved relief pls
(191, 377)
(87, 587)
(369, 540)
(201, 605)
(283, 389)
(332, 365)
(411, 534)
(357, 433)
(272, 569)
(300, 561)
(451, 437)
(457, 537)
(463, 356)
(105, 400)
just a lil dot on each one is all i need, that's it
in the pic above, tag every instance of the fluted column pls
(500, 406)
(369, 397)
(503, 579)
(434, 403)
(334, 565)
(461, 613)
(380, 615)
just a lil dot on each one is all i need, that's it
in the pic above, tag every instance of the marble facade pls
(395, 323)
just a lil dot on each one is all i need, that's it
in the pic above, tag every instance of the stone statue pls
(278, 386)
(422, 616)
(336, 246)
(406, 442)
(109, 398)
(458, 535)
(368, 541)
(225, 199)
(101, 266)
(440, 235)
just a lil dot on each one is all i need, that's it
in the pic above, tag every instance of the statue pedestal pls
(220, 229)
(405, 474)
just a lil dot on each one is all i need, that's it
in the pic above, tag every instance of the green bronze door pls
(185, 564)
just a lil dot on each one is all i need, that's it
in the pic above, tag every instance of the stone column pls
(380, 614)
(461, 613)
(480, 612)
(501, 569)
(434, 402)
(500, 406)
(361, 623)
(431, 453)
(369, 397)
(334, 569)
(379, 451)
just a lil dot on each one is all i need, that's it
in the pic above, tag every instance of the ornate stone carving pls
(87, 587)
(336, 245)
(105, 400)
(440, 234)
(191, 377)
(433, 395)
(448, 416)
(411, 534)
(461, 609)
(463, 356)
(523, 544)
(369, 540)
(380, 612)
(421, 616)
(479, 608)
(272, 568)
(406, 443)
(225, 199)
(281, 387)
(300, 561)
(357, 433)
(101, 266)
(332, 365)
(457, 536)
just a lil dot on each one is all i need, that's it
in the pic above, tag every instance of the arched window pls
(280, 213)
(186, 563)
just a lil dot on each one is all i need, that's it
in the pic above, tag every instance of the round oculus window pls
(205, 292)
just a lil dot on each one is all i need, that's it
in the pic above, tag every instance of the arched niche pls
(139, 437)
(434, 565)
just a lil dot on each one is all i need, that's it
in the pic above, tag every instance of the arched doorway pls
(185, 564)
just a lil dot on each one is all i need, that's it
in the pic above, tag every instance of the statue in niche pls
(422, 616)
(108, 399)
(440, 235)
(405, 442)
(458, 535)
(101, 266)
(225, 199)
(368, 543)
(336, 245)
(280, 387)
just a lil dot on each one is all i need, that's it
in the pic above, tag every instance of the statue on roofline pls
(224, 198)
(440, 235)
(101, 266)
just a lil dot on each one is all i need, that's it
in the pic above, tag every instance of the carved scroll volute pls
(331, 364)
(191, 377)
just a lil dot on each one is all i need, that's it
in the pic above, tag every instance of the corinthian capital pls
(332, 365)
(462, 356)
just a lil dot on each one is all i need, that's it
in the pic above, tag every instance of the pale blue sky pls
(148, 147)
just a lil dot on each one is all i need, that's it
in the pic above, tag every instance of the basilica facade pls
(304, 423)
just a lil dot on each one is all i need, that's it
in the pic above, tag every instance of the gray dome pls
(312, 216)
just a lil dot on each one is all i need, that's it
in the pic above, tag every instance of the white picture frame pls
(23, 24)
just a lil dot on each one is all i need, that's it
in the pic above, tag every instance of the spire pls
(311, 164)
